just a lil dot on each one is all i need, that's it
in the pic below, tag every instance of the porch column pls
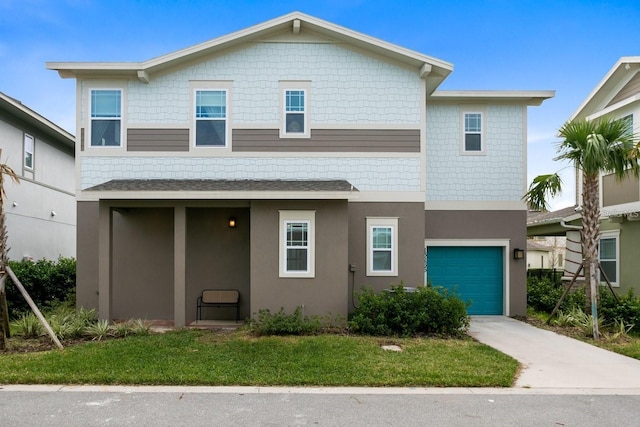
(105, 224)
(179, 262)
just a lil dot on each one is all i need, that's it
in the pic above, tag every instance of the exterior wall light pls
(518, 253)
(232, 222)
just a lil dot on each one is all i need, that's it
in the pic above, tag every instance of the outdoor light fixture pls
(53, 213)
(518, 253)
(232, 222)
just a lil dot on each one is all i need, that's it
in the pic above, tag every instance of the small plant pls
(99, 330)
(28, 326)
(138, 327)
(281, 323)
(619, 330)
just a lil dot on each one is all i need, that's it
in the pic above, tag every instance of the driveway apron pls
(550, 360)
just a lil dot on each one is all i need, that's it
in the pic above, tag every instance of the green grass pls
(192, 357)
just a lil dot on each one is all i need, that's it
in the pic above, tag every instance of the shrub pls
(281, 323)
(428, 310)
(47, 282)
(543, 295)
(626, 311)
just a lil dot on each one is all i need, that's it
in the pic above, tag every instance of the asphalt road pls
(291, 407)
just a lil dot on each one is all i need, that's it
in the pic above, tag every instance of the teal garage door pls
(475, 272)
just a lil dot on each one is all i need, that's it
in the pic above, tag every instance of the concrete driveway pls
(550, 360)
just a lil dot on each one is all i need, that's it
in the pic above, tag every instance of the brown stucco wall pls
(142, 265)
(87, 255)
(218, 257)
(410, 241)
(488, 225)
(327, 291)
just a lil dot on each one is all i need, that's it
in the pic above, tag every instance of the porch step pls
(216, 324)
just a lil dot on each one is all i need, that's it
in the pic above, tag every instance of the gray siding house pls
(295, 161)
(41, 210)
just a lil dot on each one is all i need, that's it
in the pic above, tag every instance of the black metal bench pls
(218, 298)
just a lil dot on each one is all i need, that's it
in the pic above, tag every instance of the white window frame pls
(119, 118)
(291, 217)
(30, 138)
(387, 222)
(195, 119)
(463, 131)
(303, 87)
(616, 236)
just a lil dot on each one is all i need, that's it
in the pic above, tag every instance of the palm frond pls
(542, 188)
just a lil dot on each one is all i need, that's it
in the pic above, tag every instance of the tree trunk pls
(590, 231)
(4, 315)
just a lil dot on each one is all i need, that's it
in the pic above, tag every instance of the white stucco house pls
(41, 213)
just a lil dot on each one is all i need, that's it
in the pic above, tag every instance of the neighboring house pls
(333, 153)
(41, 210)
(546, 252)
(618, 96)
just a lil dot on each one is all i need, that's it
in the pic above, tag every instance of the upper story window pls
(28, 151)
(473, 132)
(211, 118)
(382, 246)
(294, 119)
(106, 117)
(295, 111)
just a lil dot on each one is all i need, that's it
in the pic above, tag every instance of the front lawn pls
(196, 357)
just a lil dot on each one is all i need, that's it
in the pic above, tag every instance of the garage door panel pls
(475, 273)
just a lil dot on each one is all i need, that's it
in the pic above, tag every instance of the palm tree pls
(599, 146)
(4, 315)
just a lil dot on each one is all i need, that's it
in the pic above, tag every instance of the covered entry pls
(476, 273)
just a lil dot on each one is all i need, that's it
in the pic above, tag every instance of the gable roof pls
(17, 109)
(619, 86)
(432, 69)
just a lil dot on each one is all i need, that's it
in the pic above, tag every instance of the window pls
(106, 116)
(297, 240)
(295, 112)
(608, 255)
(628, 119)
(294, 107)
(28, 151)
(473, 132)
(211, 118)
(382, 244)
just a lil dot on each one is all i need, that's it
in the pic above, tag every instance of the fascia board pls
(605, 88)
(533, 98)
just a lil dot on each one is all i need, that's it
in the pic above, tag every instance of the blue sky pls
(567, 45)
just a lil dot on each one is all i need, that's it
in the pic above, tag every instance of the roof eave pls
(439, 69)
(625, 66)
(36, 120)
(528, 97)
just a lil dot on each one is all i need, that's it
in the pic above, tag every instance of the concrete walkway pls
(550, 360)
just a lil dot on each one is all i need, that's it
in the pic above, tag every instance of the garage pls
(476, 273)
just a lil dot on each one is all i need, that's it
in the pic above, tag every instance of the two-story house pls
(295, 161)
(41, 210)
(617, 96)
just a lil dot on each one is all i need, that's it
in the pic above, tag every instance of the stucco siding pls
(327, 291)
(410, 241)
(487, 225)
(497, 175)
